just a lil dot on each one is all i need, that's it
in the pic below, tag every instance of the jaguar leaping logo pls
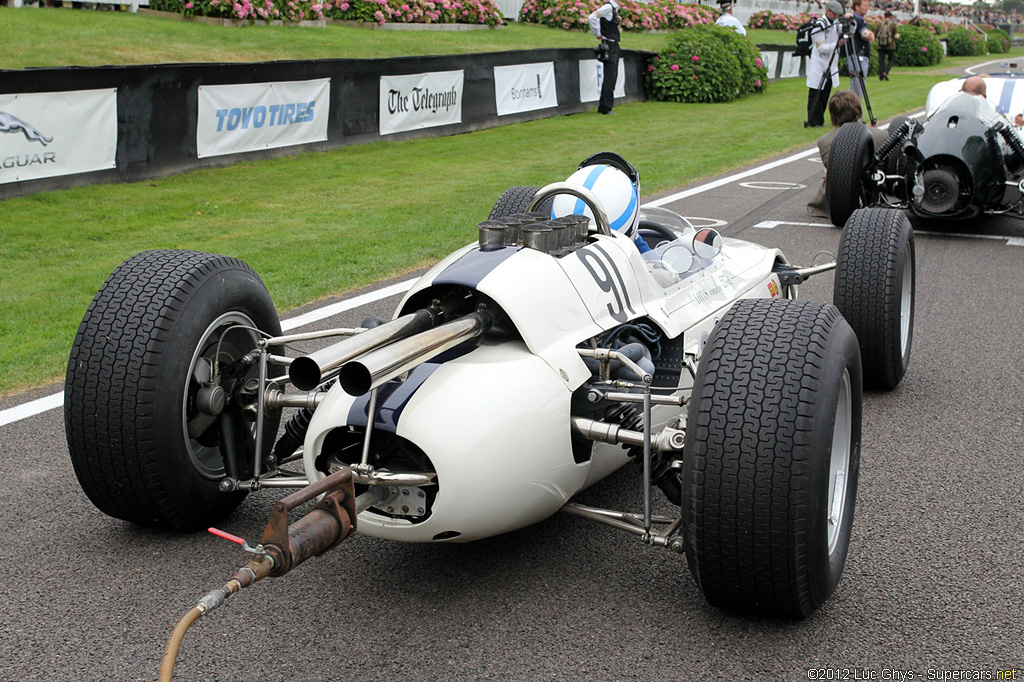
(13, 124)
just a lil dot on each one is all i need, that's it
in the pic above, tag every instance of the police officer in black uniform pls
(604, 24)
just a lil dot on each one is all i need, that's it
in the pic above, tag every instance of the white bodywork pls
(1004, 93)
(495, 421)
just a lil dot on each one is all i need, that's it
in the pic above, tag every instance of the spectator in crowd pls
(604, 24)
(888, 34)
(844, 107)
(728, 20)
(862, 37)
(823, 65)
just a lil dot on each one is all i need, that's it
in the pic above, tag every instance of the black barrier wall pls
(157, 106)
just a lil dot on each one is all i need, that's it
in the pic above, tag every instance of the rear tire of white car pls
(851, 152)
(771, 458)
(874, 290)
(516, 200)
(142, 447)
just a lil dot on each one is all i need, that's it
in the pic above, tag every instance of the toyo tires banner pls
(423, 100)
(257, 116)
(524, 87)
(48, 134)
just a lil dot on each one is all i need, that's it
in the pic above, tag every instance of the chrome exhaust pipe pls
(309, 371)
(366, 373)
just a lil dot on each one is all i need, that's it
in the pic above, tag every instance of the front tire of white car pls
(874, 290)
(771, 459)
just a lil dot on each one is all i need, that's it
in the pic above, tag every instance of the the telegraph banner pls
(422, 100)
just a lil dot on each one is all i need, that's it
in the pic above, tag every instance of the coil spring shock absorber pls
(1013, 141)
(630, 417)
(295, 429)
(901, 133)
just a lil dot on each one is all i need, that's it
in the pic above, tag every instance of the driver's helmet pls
(617, 186)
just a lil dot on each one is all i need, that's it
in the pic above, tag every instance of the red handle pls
(227, 536)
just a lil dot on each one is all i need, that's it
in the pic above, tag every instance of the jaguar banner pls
(422, 100)
(48, 134)
(524, 87)
(251, 117)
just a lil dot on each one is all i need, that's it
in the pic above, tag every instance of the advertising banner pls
(422, 100)
(790, 66)
(591, 75)
(252, 117)
(524, 87)
(48, 134)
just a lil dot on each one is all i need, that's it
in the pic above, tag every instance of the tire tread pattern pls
(851, 147)
(513, 200)
(747, 493)
(868, 290)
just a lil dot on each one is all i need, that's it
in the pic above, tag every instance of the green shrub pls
(706, 63)
(963, 43)
(998, 41)
(917, 47)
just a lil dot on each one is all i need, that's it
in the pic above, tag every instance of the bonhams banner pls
(47, 134)
(256, 116)
(524, 87)
(591, 75)
(423, 100)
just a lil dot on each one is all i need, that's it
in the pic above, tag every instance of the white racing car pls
(516, 372)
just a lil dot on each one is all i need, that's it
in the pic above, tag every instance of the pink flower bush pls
(634, 15)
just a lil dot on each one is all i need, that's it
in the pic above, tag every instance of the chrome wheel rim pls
(839, 462)
(906, 306)
(200, 430)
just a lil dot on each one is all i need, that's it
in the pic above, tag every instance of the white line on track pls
(56, 400)
(970, 69)
(769, 224)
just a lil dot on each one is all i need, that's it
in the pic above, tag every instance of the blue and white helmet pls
(617, 186)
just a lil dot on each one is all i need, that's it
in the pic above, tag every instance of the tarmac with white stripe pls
(934, 580)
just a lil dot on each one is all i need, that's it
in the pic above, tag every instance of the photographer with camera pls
(604, 24)
(862, 37)
(822, 66)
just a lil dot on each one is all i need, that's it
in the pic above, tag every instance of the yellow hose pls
(171, 652)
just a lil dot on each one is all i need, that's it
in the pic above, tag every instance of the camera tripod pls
(855, 68)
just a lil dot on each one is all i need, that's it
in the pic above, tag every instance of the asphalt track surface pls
(933, 586)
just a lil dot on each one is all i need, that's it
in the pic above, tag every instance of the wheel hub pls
(941, 190)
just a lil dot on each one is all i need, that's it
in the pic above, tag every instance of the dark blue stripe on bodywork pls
(475, 265)
(1006, 96)
(393, 396)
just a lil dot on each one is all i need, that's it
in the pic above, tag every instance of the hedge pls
(706, 63)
